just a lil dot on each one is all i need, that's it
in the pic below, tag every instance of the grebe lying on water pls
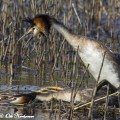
(90, 51)
(22, 99)
(64, 95)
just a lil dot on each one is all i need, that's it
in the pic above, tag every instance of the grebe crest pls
(39, 24)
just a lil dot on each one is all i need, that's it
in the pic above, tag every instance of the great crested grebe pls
(43, 94)
(82, 96)
(90, 51)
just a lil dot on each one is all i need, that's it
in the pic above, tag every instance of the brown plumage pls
(40, 21)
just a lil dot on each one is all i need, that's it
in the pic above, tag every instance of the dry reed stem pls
(99, 99)
(95, 89)
(106, 105)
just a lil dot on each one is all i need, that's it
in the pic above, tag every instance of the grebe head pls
(35, 30)
(40, 24)
(23, 98)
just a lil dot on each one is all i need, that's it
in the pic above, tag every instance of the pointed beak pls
(28, 32)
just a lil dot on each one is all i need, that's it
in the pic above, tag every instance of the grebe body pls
(90, 51)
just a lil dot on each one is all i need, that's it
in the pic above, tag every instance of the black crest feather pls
(29, 20)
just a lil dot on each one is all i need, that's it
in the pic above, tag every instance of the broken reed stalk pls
(74, 68)
(73, 94)
(11, 73)
(63, 105)
(107, 100)
(95, 89)
(59, 109)
(57, 56)
(83, 76)
(7, 48)
(76, 88)
(76, 13)
(119, 96)
(99, 99)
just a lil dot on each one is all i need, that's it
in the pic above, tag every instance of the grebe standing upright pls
(90, 51)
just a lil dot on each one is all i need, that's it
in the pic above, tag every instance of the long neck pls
(62, 29)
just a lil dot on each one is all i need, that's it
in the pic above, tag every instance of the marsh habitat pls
(30, 65)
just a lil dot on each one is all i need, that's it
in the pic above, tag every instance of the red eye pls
(33, 28)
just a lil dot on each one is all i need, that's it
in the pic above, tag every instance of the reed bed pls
(53, 61)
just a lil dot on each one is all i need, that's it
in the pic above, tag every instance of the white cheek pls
(35, 32)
